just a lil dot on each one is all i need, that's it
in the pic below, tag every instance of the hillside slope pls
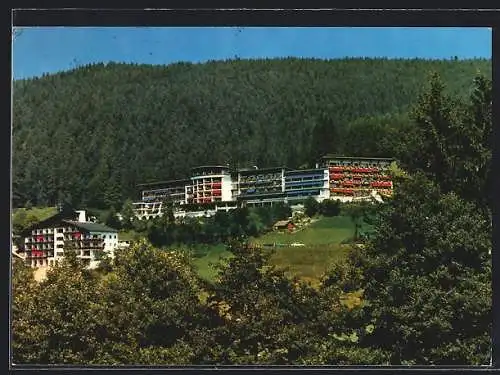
(89, 135)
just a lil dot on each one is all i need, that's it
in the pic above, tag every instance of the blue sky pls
(51, 49)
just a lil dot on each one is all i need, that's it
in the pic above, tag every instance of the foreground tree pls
(426, 276)
(152, 312)
(267, 315)
(54, 321)
(455, 139)
(271, 318)
(27, 336)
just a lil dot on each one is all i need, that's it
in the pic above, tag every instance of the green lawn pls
(213, 255)
(322, 249)
(327, 230)
(308, 263)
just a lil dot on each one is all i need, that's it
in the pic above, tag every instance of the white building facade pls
(46, 243)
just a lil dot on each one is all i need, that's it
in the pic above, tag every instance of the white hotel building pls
(214, 188)
(45, 243)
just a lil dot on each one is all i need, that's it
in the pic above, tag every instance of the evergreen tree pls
(128, 215)
(426, 276)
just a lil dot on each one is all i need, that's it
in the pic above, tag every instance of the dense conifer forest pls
(88, 136)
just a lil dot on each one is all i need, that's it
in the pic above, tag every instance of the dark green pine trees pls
(97, 131)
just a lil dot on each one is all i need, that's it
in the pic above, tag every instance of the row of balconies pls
(176, 190)
(353, 169)
(42, 231)
(40, 248)
(360, 164)
(39, 254)
(205, 192)
(300, 187)
(275, 186)
(162, 193)
(43, 254)
(80, 237)
(38, 240)
(260, 190)
(360, 183)
(267, 177)
(203, 200)
(306, 181)
(259, 182)
(357, 191)
(340, 176)
(205, 188)
(207, 181)
(211, 173)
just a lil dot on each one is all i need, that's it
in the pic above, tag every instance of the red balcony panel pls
(336, 169)
(336, 176)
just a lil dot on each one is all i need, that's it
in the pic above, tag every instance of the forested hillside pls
(89, 135)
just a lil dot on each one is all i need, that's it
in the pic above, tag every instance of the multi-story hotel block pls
(259, 186)
(46, 242)
(154, 194)
(219, 187)
(302, 184)
(356, 177)
(209, 184)
(173, 191)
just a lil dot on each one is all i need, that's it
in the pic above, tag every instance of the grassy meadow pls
(322, 247)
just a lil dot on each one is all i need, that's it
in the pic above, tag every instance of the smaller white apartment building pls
(45, 243)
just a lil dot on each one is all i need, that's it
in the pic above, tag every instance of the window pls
(60, 230)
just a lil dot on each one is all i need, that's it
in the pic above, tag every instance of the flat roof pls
(354, 157)
(164, 182)
(259, 170)
(210, 166)
(298, 171)
(250, 196)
